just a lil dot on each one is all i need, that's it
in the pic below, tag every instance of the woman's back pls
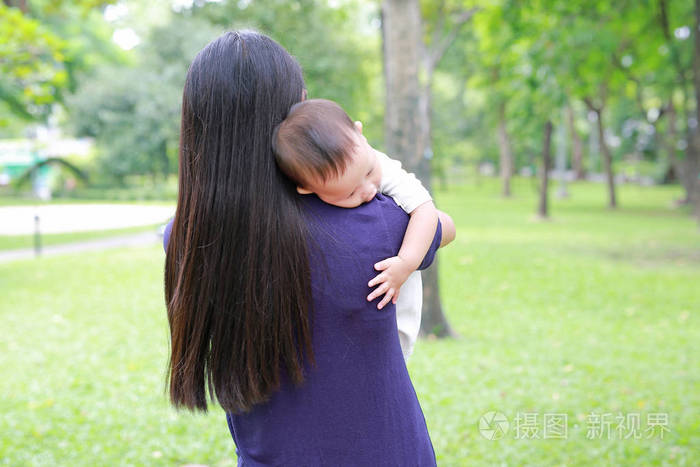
(357, 405)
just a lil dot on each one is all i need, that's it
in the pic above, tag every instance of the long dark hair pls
(237, 278)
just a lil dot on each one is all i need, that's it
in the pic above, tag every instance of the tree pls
(497, 57)
(696, 84)
(676, 93)
(133, 111)
(506, 152)
(597, 109)
(41, 55)
(542, 207)
(576, 144)
(340, 60)
(442, 24)
(593, 77)
(605, 56)
(583, 44)
(405, 126)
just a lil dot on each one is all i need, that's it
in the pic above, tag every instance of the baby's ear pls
(358, 125)
(303, 191)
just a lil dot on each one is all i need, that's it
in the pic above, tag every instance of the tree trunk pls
(691, 167)
(693, 154)
(607, 156)
(542, 209)
(576, 146)
(433, 320)
(670, 142)
(696, 60)
(401, 31)
(607, 159)
(423, 166)
(407, 124)
(685, 170)
(506, 154)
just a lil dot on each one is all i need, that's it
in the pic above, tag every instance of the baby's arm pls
(416, 242)
(449, 232)
(410, 194)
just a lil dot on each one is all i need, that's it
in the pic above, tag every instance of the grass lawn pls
(593, 312)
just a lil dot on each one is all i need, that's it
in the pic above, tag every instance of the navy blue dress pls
(357, 405)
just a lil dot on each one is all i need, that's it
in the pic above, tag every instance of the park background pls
(561, 136)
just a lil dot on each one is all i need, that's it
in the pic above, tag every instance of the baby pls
(323, 152)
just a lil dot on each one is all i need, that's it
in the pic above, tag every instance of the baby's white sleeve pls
(404, 187)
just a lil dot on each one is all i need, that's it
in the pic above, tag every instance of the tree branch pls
(628, 74)
(589, 103)
(666, 29)
(439, 47)
(663, 19)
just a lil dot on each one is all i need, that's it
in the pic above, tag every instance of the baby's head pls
(321, 150)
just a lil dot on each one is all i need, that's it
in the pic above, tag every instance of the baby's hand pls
(395, 272)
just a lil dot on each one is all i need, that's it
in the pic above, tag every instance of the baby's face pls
(358, 184)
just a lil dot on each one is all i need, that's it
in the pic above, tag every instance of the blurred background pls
(562, 137)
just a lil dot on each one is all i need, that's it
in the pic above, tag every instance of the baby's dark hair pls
(314, 141)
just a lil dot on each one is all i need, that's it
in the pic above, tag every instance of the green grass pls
(13, 242)
(592, 312)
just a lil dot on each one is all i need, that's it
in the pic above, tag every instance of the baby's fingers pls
(382, 265)
(378, 279)
(396, 296)
(378, 291)
(386, 299)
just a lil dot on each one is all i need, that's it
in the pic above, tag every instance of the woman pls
(265, 288)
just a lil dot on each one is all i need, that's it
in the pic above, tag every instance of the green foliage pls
(536, 57)
(530, 57)
(338, 48)
(133, 111)
(41, 51)
(31, 59)
(592, 312)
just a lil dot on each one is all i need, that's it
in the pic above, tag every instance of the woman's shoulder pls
(381, 207)
(381, 219)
